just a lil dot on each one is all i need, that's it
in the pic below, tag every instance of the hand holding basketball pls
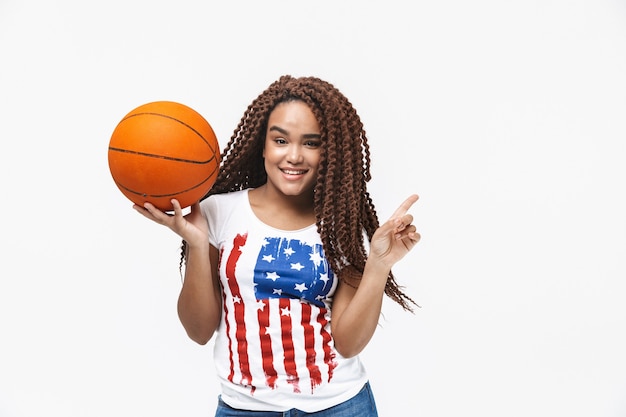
(192, 227)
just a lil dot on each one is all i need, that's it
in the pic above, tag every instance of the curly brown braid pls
(343, 207)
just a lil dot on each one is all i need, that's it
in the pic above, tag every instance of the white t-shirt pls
(273, 347)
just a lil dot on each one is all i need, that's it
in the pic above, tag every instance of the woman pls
(285, 260)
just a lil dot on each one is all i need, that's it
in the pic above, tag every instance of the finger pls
(151, 208)
(178, 211)
(143, 211)
(405, 206)
(156, 214)
(401, 223)
(409, 232)
(410, 240)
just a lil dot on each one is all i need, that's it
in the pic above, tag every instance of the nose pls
(294, 154)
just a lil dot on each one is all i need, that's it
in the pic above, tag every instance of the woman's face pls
(292, 149)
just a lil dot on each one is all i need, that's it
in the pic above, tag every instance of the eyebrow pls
(286, 133)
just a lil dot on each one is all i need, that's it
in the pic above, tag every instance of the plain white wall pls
(508, 118)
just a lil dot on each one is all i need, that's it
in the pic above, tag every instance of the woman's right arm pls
(199, 302)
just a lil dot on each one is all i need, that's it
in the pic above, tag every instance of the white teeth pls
(286, 171)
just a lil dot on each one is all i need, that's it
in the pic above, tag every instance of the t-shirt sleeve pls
(211, 213)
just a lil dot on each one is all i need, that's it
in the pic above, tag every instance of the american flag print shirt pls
(274, 349)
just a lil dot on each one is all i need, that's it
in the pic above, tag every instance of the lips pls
(294, 171)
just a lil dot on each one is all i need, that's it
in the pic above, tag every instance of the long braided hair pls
(343, 208)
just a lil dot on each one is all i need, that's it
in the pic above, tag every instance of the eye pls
(280, 141)
(312, 143)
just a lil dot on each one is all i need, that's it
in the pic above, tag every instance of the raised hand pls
(397, 236)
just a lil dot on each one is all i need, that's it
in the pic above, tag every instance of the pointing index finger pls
(405, 206)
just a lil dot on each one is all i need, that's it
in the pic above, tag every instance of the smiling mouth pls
(294, 171)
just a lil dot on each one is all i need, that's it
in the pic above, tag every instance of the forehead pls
(294, 113)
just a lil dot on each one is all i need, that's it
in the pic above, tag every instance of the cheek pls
(316, 160)
(270, 154)
(265, 164)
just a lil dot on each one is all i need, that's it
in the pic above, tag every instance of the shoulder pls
(217, 208)
(222, 211)
(226, 200)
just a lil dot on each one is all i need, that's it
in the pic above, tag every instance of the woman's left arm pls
(355, 311)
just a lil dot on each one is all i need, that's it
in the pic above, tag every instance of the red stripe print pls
(266, 345)
(329, 354)
(230, 341)
(240, 329)
(309, 347)
(288, 349)
(227, 323)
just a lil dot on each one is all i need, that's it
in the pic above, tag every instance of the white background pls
(508, 118)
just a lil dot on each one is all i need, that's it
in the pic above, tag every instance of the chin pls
(295, 191)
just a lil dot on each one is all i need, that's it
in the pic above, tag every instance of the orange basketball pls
(164, 150)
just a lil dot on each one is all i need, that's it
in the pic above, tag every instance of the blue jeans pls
(361, 405)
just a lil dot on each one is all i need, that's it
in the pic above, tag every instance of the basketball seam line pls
(169, 158)
(168, 194)
(175, 119)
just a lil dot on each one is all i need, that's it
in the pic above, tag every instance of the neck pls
(282, 211)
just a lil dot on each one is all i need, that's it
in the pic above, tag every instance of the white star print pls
(297, 266)
(316, 258)
(268, 258)
(289, 251)
(324, 278)
(272, 275)
(301, 287)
